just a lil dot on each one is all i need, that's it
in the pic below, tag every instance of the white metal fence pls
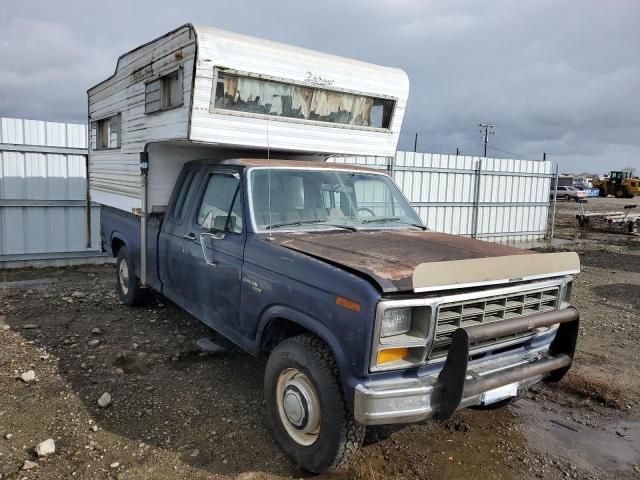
(43, 188)
(43, 194)
(502, 200)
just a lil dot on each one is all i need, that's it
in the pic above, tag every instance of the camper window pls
(105, 133)
(249, 95)
(164, 93)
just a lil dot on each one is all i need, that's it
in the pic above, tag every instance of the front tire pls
(128, 285)
(306, 406)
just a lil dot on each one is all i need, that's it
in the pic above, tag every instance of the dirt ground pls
(179, 413)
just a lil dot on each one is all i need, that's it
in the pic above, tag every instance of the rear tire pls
(567, 197)
(128, 285)
(306, 406)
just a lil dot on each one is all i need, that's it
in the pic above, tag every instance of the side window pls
(186, 192)
(221, 200)
(105, 133)
(164, 93)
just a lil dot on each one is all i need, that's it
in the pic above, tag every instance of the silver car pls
(568, 193)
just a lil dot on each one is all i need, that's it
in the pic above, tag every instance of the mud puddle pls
(604, 445)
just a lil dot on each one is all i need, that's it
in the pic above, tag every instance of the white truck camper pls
(198, 92)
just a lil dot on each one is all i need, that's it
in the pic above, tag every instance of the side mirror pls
(219, 223)
(208, 222)
(214, 223)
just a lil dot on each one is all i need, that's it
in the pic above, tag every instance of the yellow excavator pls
(618, 184)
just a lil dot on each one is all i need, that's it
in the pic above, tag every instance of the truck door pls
(213, 253)
(171, 238)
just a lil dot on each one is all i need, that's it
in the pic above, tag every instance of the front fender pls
(317, 328)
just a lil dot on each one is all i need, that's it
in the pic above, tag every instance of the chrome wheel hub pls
(123, 275)
(298, 406)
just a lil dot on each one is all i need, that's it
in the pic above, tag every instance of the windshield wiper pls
(380, 219)
(392, 219)
(306, 222)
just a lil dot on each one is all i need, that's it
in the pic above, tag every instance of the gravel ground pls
(175, 412)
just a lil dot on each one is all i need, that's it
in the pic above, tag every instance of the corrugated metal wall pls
(42, 194)
(43, 181)
(502, 200)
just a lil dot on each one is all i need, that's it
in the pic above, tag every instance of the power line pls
(515, 155)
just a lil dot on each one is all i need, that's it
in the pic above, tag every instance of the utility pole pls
(486, 129)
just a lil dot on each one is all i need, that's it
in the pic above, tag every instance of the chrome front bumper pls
(459, 384)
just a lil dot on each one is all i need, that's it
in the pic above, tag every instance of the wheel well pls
(276, 331)
(116, 245)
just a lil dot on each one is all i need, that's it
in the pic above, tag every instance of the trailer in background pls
(621, 221)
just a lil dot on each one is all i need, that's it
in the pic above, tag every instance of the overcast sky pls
(555, 76)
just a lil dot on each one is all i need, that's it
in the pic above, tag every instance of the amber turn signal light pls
(392, 354)
(346, 303)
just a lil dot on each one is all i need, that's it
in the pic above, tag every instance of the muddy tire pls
(306, 406)
(619, 193)
(127, 284)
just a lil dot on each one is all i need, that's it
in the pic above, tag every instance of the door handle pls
(190, 236)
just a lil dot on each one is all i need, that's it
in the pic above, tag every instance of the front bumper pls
(459, 384)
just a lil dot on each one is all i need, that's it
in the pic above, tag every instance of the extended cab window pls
(223, 199)
(185, 194)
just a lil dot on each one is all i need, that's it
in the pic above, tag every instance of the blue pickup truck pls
(367, 318)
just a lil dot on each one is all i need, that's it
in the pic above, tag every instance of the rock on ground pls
(28, 376)
(28, 465)
(46, 448)
(104, 400)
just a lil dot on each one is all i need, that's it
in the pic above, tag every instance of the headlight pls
(402, 334)
(395, 321)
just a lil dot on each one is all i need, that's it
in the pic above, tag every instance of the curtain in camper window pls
(266, 97)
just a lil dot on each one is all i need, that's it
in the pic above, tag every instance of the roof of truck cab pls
(279, 163)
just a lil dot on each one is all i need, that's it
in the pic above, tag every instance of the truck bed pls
(118, 227)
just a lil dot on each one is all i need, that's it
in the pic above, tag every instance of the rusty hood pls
(390, 257)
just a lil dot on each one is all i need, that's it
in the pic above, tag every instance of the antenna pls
(270, 237)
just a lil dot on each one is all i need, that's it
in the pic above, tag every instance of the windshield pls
(322, 199)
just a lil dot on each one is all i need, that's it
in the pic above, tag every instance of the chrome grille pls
(451, 316)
